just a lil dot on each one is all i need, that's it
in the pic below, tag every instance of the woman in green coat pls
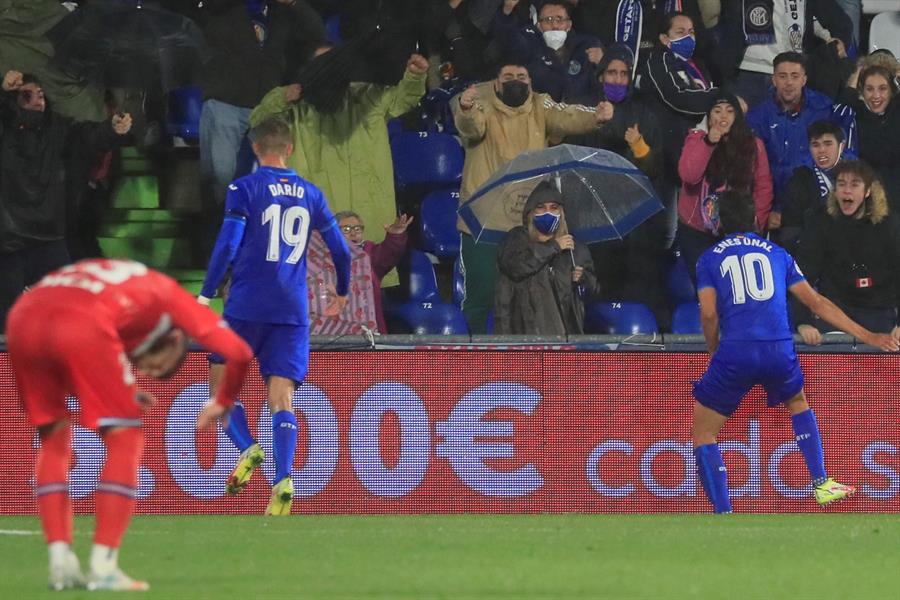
(346, 152)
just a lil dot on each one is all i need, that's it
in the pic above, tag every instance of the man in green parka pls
(345, 151)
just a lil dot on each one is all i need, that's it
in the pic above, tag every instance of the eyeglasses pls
(353, 228)
(552, 20)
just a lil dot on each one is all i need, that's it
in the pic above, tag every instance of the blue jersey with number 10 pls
(751, 277)
(268, 282)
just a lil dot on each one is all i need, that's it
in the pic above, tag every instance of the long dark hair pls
(734, 158)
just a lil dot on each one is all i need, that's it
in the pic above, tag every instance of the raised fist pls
(417, 64)
(604, 112)
(12, 81)
(468, 97)
(594, 55)
(121, 123)
(292, 93)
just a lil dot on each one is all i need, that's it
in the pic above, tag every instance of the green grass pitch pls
(486, 556)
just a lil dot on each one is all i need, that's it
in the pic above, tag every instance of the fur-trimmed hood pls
(876, 204)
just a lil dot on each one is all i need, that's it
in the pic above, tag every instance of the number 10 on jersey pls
(750, 274)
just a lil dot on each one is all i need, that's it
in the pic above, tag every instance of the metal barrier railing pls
(667, 342)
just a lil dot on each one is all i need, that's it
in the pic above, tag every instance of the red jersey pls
(141, 305)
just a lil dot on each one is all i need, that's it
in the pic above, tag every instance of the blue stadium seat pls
(679, 286)
(459, 286)
(183, 116)
(619, 318)
(686, 318)
(423, 312)
(246, 162)
(438, 223)
(333, 30)
(425, 318)
(418, 272)
(459, 292)
(425, 158)
(394, 127)
(436, 109)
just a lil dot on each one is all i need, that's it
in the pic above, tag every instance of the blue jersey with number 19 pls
(751, 277)
(268, 283)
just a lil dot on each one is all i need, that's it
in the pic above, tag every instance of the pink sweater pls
(384, 256)
(692, 170)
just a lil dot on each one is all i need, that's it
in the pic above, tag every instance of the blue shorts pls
(738, 366)
(281, 350)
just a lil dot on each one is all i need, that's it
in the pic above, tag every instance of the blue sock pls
(713, 476)
(238, 431)
(284, 442)
(806, 432)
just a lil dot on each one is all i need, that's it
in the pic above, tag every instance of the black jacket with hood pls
(836, 251)
(633, 110)
(535, 293)
(239, 70)
(44, 157)
(879, 140)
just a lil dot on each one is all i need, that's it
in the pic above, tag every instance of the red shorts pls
(57, 351)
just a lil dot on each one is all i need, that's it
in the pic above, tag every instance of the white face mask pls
(555, 38)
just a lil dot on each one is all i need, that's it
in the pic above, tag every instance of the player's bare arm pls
(826, 309)
(709, 318)
(212, 412)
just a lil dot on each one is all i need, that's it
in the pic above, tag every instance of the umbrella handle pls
(572, 256)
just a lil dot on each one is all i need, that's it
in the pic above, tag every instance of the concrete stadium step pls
(136, 191)
(133, 161)
(186, 274)
(155, 215)
(144, 229)
(158, 253)
(192, 286)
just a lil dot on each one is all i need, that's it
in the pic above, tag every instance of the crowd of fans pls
(773, 100)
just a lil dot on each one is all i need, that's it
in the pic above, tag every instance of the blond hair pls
(875, 204)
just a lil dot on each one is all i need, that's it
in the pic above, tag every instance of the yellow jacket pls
(493, 134)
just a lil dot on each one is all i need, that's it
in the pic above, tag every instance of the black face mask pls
(513, 93)
(29, 119)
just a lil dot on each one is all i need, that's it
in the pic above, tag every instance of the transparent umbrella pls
(605, 195)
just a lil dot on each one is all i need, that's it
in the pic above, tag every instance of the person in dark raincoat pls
(545, 275)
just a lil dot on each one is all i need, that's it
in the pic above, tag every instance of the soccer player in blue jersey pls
(268, 218)
(742, 284)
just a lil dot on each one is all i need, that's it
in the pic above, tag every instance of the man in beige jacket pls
(498, 120)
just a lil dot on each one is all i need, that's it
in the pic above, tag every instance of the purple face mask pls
(615, 92)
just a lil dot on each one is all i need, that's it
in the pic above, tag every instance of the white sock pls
(104, 559)
(58, 552)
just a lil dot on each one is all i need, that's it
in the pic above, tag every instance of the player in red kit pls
(78, 331)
